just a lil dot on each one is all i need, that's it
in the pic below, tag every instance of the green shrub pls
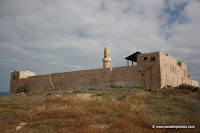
(101, 94)
(49, 94)
(21, 89)
(91, 89)
(116, 86)
(77, 91)
(196, 89)
(184, 86)
(169, 86)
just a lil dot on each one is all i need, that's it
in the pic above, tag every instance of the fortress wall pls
(81, 79)
(126, 76)
(97, 78)
(166, 63)
(38, 83)
(150, 70)
(173, 73)
(195, 83)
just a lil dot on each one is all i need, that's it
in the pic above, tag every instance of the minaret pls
(106, 60)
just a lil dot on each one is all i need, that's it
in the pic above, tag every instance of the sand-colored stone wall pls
(149, 65)
(38, 84)
(81, 79)
(97, 78)
(127, 76)
(25, 74)
(174, 73)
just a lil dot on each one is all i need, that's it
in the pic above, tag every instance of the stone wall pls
(81, 79)
(149, 65)
(174, 73)
(127, 76)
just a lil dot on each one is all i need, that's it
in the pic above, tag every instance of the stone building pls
(153, 71)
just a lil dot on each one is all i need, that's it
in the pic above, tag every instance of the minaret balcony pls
(106, 59)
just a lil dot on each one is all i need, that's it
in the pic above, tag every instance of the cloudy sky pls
(48, 36)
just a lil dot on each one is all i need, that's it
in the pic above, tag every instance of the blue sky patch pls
(174, 13)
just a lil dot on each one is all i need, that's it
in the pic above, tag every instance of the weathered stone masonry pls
(153, 71)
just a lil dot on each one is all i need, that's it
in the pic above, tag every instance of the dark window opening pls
(153, 58)
(13, 77)
(105, 56)
(145, 58)
(105, 52)
(142, 75)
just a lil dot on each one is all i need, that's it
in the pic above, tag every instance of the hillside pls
(101, 110)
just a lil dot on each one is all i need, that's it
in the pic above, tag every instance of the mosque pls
(154, 70)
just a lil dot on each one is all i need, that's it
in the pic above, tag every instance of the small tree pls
(21, 89)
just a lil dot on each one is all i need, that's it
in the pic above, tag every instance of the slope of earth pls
(93, 110)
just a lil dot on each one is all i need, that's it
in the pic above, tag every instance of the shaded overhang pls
(133, 57)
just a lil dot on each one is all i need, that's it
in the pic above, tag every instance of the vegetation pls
(188, 87)
(21, 89)
(93, 89)
(117, 110)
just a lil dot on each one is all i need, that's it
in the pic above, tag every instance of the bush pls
(49, 94)
(184, 86)
(101, 94)
(188, 87)
(116, 86)
(21, 89)
(77, 91)
(131, 87)
(93, 89)
(169, 86)
(196, 89)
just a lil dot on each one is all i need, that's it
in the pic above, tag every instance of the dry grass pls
(121, 110)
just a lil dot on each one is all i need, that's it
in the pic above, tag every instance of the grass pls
(117, 110)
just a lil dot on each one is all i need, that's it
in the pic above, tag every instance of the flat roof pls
(133, 57)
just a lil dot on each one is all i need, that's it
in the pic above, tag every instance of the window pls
(13, 77)
(153, 58)
(142, 75)
(105, 56)
(145, 58)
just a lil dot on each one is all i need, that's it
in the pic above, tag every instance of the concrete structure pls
(106, 60)
(153, 71)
